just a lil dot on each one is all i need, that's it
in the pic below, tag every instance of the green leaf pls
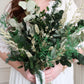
(47, 8)
(20, 67)
(68, 63)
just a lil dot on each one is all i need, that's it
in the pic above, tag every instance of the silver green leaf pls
(23, 4)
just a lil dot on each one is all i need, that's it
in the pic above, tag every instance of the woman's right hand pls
(30, 77)
(27, 75)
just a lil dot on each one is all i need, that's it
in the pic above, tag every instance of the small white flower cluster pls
(4, 33)
(13, 23)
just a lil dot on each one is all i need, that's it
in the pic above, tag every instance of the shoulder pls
(70, 3)
(71, 10)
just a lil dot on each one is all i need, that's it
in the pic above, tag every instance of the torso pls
(42, 4)
(17, 78)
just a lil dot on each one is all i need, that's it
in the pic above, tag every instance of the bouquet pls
(42, 39)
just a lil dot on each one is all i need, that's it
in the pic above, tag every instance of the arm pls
(3, 55)
(48, 75)
(13, 64)
(4, 51)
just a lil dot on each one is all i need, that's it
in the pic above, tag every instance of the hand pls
(52, 73)
(30, 77)
(27, 75)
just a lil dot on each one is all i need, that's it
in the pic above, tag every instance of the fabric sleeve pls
(73, 13)
(3, 46)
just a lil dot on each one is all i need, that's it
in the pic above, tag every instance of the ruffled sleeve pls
(3, 46)
(73, 13)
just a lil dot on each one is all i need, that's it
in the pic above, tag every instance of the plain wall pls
(4, 68)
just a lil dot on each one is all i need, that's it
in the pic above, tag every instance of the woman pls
(57, 74)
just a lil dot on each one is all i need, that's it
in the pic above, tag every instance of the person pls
(55, 75)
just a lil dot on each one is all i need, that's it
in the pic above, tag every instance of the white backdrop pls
(79, 69)
(3, 4)
(4, 68)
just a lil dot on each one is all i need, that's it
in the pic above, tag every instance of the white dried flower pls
(33, 41)
(42, 31)
(51, 48)
(37, 29)
(51, 36)
(11, 44)
(50, 31)
(32, 34)
(53, 29)
(29, 38)
(44, 34)
(28, 54)
(33, 48)
(47, 36)
(46, 27)
(5, 34)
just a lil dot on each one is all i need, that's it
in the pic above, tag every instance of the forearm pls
(15, 64)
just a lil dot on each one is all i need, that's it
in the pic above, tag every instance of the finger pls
(48, 71)
(30, 78)
(50, 76)
(30, 75)
(54, 74)
(33, 81)
(52, 69)
(48, 81)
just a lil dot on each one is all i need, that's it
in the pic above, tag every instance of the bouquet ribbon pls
(38, 79)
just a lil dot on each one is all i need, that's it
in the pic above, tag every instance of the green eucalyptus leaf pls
(31, 6)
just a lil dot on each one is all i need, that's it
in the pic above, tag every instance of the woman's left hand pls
(52, 73)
